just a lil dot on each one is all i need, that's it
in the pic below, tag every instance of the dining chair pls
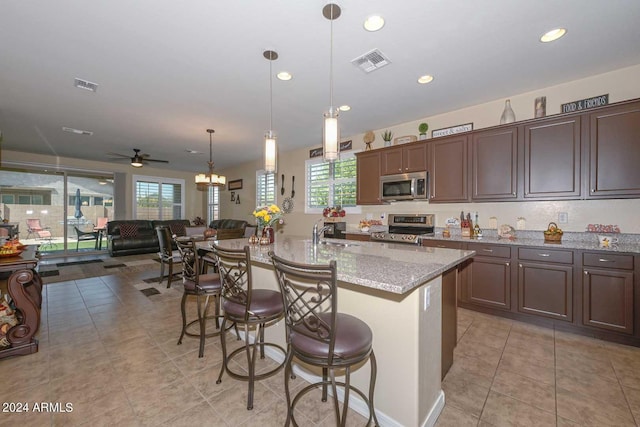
(84, 236)
(166, 254)
(202, 286)
(252, 308)
(319, 335)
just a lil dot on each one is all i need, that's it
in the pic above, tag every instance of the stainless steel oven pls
(407, 228)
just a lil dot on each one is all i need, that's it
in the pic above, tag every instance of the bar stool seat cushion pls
(353, 339)
(208, 283)
(264, 303)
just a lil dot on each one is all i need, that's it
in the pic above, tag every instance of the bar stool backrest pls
(234, 267)
(190, 259)
(310, 300)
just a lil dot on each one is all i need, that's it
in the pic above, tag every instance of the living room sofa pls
(228, 224)
(129, 237)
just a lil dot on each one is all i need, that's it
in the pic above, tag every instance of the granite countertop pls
(629, 243)
(390, 267)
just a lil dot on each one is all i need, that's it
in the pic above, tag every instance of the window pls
(158, 198)
(213, 204)
(331, 184)
(265, 188)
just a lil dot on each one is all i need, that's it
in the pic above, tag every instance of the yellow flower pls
(267, 217)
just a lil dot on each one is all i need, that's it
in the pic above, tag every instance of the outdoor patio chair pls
(85, 235)
(34, 228)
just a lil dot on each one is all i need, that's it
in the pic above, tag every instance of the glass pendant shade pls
(330, 135)
(270, 152)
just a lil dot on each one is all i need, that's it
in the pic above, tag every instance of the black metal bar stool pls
(198, 285)
(166, 254)
(320, 336)
(255, 309)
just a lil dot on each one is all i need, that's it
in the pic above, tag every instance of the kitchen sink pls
(338, 244)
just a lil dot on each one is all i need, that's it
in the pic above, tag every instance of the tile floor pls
(111, 352)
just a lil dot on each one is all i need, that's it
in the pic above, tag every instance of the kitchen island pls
(397, 290)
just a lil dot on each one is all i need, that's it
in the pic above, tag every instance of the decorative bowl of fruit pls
(553, 234)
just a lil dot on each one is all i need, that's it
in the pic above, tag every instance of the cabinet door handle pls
(586, 273)
(488, 250)
(514, 193)
(440, 246)
(520, 265)
(606, 260)
(593, 191)
(544, 255)
(507, 264)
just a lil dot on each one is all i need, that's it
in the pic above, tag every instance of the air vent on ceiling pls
(86, 85)
(77, 131)
(371, 61)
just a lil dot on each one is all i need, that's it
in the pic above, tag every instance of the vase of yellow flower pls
(267, 217)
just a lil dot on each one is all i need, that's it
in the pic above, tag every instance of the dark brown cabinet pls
(448, 169)
(607, 291)
(489, 276)
(614, 151)
(368, 178)
(494, 164)
(412, 158)
(552, 159)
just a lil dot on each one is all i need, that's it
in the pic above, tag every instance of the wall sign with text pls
(344, 146)
(452, 130)
(585, 104)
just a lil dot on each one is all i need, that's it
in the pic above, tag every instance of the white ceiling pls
(168, 70)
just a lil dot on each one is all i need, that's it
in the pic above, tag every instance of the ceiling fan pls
(138, 158)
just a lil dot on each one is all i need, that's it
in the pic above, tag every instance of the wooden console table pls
(25, 288)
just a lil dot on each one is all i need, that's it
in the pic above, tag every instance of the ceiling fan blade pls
(154, 160)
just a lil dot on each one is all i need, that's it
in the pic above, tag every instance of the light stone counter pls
(397, 290)
(390, 267)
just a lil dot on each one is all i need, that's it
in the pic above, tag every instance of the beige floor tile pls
(527, 367)
(86, 411)
(465, 395)
(542, 354)
(590, 411)
(577, 361)
(21, 415)
(273, 416)
(526, 390)
(474, 369)
(504, 410)
(584, 346)
(633, 398)
(480, 335)
(85, 386)
(563, 422)
(591, 385)
(155, 406)
(140, 378)
(478, 350)
(231, 404)
(200, 415)
(627, 373)
(454, 417)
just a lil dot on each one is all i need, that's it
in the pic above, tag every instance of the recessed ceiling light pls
(552, 35)
(283, 75)
(374, 23)
(425, 79)
(344, 108)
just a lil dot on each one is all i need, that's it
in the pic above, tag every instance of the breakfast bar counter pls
(397, 290)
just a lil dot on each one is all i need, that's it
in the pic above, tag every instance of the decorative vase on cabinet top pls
(508, 116)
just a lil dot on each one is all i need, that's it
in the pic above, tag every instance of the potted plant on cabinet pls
(423, 128)
(386, 136)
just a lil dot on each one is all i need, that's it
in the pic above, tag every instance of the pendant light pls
(204, 181)
(330, 130)
(270, 148)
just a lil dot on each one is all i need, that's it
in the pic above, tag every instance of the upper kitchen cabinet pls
(448, 166)
(552, 159)
(614, 151)
(368, 178)
(494, 164)
(404, 159)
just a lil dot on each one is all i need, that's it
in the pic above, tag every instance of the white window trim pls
(159, 180)
(350, 210)
(261, 172)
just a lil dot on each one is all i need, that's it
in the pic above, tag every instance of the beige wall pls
(621, 85)
(195, 201)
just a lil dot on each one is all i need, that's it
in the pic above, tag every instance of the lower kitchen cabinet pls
(607, 292)
(489, 276)
(545, 289)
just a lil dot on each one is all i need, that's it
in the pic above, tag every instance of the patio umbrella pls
(78, 214)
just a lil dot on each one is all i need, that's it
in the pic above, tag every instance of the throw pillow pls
(128, 230)
(178, 229)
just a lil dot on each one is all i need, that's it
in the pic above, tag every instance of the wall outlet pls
(563, 217)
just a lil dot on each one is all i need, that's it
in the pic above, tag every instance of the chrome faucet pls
(317, 232)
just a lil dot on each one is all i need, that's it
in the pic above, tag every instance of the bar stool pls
(255, 309)
(320, 336)
(198, 285)
(166, 254)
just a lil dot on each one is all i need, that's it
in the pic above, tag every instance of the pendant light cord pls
(331, 64)
(270, 93)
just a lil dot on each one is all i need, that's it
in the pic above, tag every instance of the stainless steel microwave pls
(405, 186)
